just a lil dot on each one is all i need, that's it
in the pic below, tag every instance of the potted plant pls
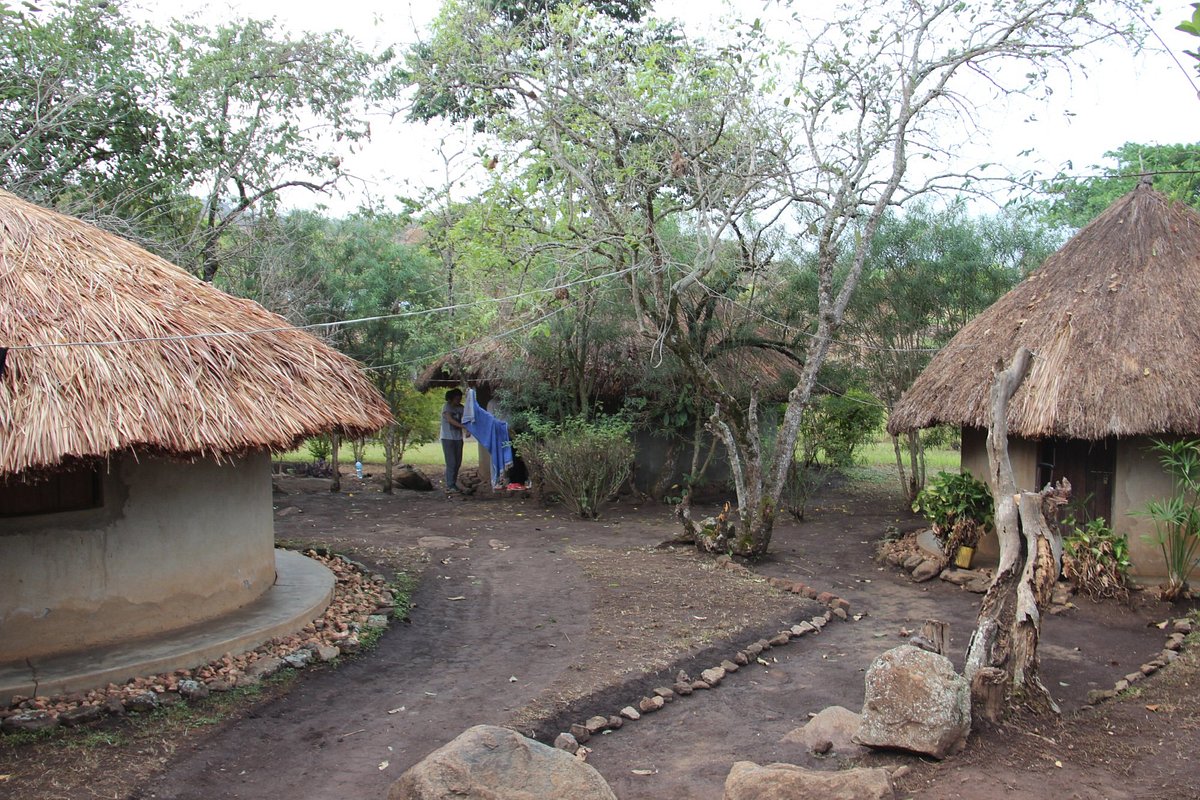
(959, 508)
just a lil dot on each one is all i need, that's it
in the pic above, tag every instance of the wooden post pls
(936, 632)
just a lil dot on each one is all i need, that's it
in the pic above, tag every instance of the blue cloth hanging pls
(492, 433)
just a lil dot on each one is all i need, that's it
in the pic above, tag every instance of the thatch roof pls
(62, 280)
(1113, 319)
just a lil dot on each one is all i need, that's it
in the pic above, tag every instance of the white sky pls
(1145, 98)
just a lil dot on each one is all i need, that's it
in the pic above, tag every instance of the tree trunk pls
(662, 481)
(389, 450)
(336, 484)
(1009, 625)
(906, 484)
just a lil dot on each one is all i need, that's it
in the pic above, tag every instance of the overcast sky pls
(1146, 98)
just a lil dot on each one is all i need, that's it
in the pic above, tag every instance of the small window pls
(66, 490)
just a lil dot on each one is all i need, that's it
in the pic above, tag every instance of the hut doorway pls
(1088, 466)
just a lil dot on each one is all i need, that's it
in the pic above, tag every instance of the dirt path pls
(568, 607)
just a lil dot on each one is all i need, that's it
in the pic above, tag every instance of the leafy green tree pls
(1174, 169)
(927, 273)
(81, 120)
(258, 112)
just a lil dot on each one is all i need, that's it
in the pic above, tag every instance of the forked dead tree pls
(1002, 657)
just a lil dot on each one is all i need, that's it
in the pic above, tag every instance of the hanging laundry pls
(492, 433)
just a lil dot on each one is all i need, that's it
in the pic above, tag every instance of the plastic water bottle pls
(358, 469)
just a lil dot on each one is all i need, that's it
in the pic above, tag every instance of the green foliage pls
(1177, 518)
(418, 416)
(961, 500)
(582, 462)
(1096, 560)
(1077, 201)
(835, 425)
(320, 448)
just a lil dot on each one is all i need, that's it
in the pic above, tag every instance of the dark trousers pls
(452, 450)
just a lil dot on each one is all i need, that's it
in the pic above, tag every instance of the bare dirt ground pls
(527, 617)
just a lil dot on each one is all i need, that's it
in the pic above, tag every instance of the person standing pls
(452, 437)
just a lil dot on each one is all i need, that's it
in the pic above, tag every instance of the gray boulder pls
(829, 732)
(492, 763)
(749, 781)
(915, 701)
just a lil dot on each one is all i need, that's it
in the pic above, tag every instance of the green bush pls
(319, 447)
(838, 424)
(959, 503)
(1096, 560)
(1177, 519)
(582, 462)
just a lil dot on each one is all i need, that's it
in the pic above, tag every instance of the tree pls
(1174, 168)
(927, 273)
(617, 129)
(81, 121)
(259, 112)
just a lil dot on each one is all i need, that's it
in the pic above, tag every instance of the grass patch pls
(425, 455)
(881, 453)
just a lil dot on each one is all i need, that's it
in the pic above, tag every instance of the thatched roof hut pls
(110, 348)
(1112, 319)
(137, 409)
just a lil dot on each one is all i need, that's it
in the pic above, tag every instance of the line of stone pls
(575, 738)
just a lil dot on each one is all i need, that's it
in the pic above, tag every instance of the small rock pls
(978, 585)
(80, 715)
(666, 694)
(840, 613)
(1183, 625)
(926, 570)
(797, 631)
(219, 685)
(683, 689)
(580, 733)
(565, 741)
(780, 639)
(327, 652)
(912, 561)
(288, 511)
(825, 598)
(143, 701)
(818, 622)
(649, 705)
(596, 724)
(169, 699)
(741, 659)
(822, 748)
(114, 705)
(630, 713)
(1099, 696)
(1148, 669)
(1134, 677)
(377, 621)
(29, 722)
(263, 668)
(700, 685)
(900, 771)
(1175, 642)
(729, 666)
(805, 627)
(193, 690)
(1120, 686)
(682, 677)
(1169, 656)
(615, 723)
(764, 644)
(840, 602)
(350, 645)
(712, 676)
(754, 649)
(299, 659)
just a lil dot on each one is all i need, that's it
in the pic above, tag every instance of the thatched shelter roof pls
(63, 281)
(1113, 319)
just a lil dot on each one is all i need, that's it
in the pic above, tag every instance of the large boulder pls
(749, 781)
(829, 732)
(491, 763)
(915, 701)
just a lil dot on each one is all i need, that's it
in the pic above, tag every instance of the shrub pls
(319, 447)
(1177, 519)
(958, 504)
(1096, 560)
(582, 462)
(837, 425)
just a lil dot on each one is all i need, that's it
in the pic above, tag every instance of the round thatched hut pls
(1112, 320)
(136, 420)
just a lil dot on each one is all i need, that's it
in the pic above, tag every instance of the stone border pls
(578, 734)
(362, 602)
(1175, 644)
